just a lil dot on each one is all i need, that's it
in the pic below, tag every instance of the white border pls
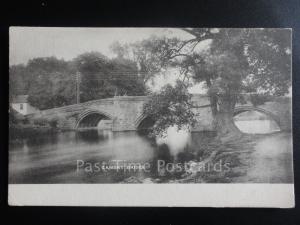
(187, 195)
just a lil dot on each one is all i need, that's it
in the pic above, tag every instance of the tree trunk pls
(224, 119)
(223, 113)
(222, 108)
(225, 124)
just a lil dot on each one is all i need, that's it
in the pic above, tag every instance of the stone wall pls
(127, 110)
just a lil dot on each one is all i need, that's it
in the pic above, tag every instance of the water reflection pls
(92, 135)
(52, 158)
(175, 139)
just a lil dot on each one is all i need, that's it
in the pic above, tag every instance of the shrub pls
(259, 99)
(53, 122)
(40, 122)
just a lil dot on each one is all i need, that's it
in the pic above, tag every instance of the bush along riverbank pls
(18, 132)
(20, 127)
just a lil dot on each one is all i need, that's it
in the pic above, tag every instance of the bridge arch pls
(91, 118)
(271, 115)
(241, 109)
(144, 122)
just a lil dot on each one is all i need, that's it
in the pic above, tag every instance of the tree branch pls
(206, 34)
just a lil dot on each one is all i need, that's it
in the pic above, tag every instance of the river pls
(58, 157)
(102, 156)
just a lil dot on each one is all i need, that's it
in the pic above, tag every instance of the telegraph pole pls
(78, 87)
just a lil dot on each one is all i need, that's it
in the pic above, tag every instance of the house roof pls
(20, 99)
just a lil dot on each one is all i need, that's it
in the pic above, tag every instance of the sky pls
(26, 43)
(30, 42)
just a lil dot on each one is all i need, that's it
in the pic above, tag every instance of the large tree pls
(147, 54)
(236, 62)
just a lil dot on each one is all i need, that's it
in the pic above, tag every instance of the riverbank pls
(253, 158)
(264, 158)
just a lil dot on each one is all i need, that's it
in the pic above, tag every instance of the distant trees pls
(51, 82)
(102, 77)
(18, 80)
(48, 81)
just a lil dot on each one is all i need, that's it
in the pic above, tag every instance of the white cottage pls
(21, 105)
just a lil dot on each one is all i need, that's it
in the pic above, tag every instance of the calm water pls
(71, 157)
(58, 158)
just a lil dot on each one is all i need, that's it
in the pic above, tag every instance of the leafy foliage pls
(51, 82)
(102, 77)
(48, 82)
(150, 55)
(260, 99)
(172, 106)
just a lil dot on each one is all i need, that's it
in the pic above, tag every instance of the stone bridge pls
(126, 113)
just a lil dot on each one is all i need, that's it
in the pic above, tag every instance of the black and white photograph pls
(140, 106)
